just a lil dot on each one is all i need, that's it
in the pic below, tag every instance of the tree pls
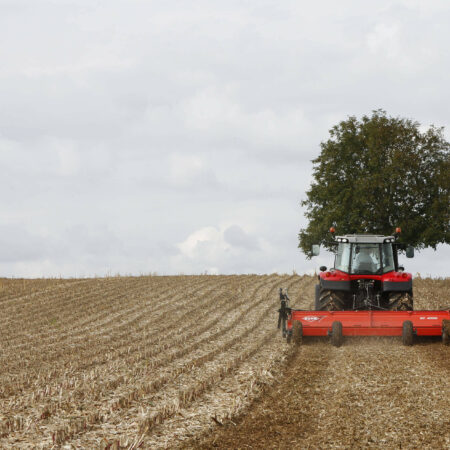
(376, 174)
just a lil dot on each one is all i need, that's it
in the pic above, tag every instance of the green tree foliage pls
(376, 174)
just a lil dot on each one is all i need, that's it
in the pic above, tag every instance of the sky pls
(176, 137)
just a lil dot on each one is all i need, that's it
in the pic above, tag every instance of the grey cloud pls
(237, 237)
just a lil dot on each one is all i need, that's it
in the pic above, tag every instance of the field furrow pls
(74, 355)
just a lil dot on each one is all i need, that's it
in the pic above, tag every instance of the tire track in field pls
(281, 417)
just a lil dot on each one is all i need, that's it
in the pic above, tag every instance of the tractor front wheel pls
(317, 298)
(330, 301)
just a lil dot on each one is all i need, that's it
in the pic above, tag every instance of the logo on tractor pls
(311, 318)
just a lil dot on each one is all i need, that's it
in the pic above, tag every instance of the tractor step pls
(372, 323)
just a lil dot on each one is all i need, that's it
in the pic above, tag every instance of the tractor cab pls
(366, 254)
(366, 274)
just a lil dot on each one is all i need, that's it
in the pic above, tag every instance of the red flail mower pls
(366, 293)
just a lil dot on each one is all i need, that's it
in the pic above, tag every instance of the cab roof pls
(365, 238)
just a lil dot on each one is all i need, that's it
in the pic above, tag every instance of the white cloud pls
(227, 247)
(216, 243)
(206, 243)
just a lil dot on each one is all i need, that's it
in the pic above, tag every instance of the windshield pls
(364, 258)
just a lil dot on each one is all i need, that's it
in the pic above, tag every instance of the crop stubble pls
(370, 393)
(157, 361)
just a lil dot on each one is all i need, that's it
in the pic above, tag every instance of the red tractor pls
(366, 275)
(366, 293)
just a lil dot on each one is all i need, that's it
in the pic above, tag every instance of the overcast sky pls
(177, 137)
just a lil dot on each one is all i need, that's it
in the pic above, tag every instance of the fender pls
(341, 281)
(335, 280)
(397, 282)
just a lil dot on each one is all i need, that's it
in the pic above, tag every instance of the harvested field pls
(160, 362)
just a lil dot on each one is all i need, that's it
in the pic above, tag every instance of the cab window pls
(342, 261)
(366, 259)
(387, 257)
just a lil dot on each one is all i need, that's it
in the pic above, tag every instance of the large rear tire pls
(317, 298)
(400, 301)
(330, 301)
(407, 333)
(297, 332)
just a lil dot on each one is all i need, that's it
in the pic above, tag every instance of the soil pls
(369, 393)
(197, 362)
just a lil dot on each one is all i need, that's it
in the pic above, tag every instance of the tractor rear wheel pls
(407, 333)
(330, 301)
(336, 333)
(400, 301)
(317, 298)
(297, 332)
(446, 332)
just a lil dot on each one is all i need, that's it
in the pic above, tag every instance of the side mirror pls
(315, 250)
(323, 268)
(410, 251)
